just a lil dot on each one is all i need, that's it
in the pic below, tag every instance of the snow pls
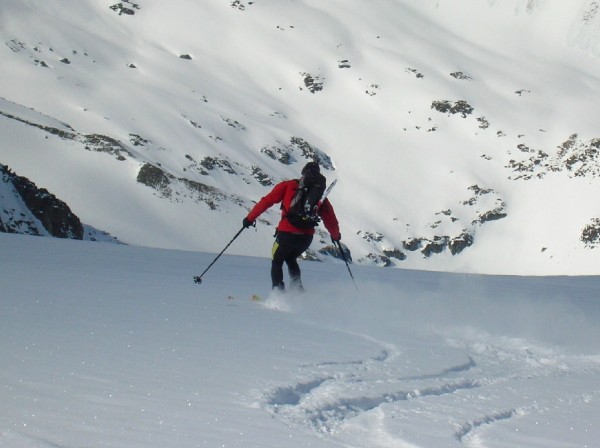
(109, 345)
(373, 118)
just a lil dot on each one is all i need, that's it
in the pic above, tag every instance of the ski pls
(328, 190)
(253, 298)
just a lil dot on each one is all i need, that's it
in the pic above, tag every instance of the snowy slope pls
(463, 133)
(111, 346)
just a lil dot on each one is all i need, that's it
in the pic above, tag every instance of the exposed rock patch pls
(54, 215)
(125, 7)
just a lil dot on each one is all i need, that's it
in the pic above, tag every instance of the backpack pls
(303, 211)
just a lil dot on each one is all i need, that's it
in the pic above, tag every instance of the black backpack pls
(303, 211)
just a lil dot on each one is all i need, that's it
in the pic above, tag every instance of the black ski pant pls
(287, 248)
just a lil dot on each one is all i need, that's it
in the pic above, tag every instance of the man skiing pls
(291, 240)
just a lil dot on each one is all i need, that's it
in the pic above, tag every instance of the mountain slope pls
(463, 135)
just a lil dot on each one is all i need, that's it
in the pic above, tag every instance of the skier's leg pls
(277, 275)
(294, 271)
(280, 253)
(300, 245)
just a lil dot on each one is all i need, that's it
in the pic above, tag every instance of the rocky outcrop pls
(125, 7)
(590, 235)
(578, 158)
(91, 142)
(298, 150)
(452, 231)
(178, 189)
(47, 213)
(460, 107)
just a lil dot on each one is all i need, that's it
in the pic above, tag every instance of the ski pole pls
(198, 278)
(339, 246)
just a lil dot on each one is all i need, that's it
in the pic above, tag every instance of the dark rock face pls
(54, 215)
(175, 188)
(333, 251)
(312, 83)
(126, 7)
(298, 150)
(460, 107)
(460, 243)
(590, 235)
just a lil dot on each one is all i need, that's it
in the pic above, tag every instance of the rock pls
(54, 215)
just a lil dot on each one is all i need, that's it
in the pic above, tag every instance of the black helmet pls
(311, 168)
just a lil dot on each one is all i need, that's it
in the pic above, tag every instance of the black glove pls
(247, 223)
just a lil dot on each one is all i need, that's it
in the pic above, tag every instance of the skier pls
(290, 240)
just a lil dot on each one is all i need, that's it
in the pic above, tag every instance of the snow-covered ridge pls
(462, 134)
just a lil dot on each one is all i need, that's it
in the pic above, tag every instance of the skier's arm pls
(330, 220)
(272, 198)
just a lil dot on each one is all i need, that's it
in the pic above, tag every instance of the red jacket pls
(284, 192)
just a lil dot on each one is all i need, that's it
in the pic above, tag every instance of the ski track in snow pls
(22, 440)
(98, 355)
(333, 393)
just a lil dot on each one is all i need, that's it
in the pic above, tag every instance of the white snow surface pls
(532, 70)
(114, 346)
